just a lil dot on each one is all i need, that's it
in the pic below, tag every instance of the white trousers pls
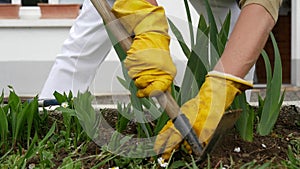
(88, 45)
(82, 53)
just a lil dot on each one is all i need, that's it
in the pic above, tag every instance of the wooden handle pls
(116, 28)
(171, 107)
(113, 24)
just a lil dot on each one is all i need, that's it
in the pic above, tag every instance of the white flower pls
(64, 104)
(114, 168)
(237, 149)
(263, 145)
(162, 162)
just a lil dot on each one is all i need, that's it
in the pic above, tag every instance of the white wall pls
(295, 62)
(29, 47)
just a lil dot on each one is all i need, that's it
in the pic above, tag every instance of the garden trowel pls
(166, 100)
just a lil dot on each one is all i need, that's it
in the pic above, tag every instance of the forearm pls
(246, 41)
(153, 2)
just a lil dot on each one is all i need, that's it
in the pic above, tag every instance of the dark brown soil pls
(262, 149)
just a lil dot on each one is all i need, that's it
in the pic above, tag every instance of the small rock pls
(237, 149)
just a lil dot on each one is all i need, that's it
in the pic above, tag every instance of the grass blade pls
(48, 135)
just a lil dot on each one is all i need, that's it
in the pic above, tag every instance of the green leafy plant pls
(19, 161)
(32, 149)
(21, 125)
(272, 103)
(245, 124)
(123, 117)
(71, 119)
(18, 121)
(36, 135)
(269, 107)
(68, 163)
(86, 114)
(293, 154)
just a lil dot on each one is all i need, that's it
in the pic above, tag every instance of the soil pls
(262, 149)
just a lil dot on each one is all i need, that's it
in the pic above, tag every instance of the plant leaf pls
(190, 23)
(31, 112)
(180, 39)
(123, 113)
(3, 131)
(48, 135)
(197, 65)
(60, 98)
(223, 34)
(245, 123)
(212, 24)
(273, 100)
(86, 113)
(2, 97)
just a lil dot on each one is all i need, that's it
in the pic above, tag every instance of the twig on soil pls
(219, 162)
(261, 150)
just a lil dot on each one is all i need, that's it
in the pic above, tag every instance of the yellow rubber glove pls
(204, 111)
(148, 60)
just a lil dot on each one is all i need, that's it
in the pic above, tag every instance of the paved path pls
(291, 97)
